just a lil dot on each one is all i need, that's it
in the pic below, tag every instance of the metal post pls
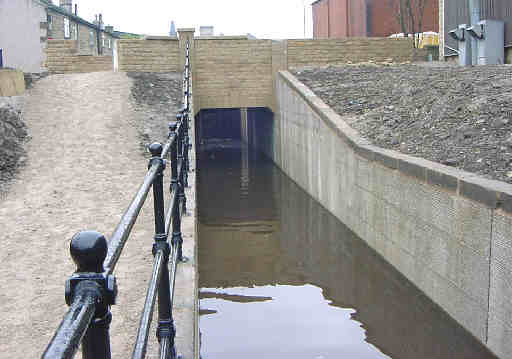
(474, 11)
(166, 329)
(186, 140)
(174, 157)
(89, 250)
(181, 148)
(1, 58)
(177, 238)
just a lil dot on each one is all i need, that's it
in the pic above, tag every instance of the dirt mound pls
(156, 97)
(461, 117)
(13, 133)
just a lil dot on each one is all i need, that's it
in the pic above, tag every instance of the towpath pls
(84, 164)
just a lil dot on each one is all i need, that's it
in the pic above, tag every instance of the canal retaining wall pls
(446, 230)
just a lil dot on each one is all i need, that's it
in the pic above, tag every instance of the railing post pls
(165, 329)
(181, 159)
(186, 140)
(174, 157)
(88, 250)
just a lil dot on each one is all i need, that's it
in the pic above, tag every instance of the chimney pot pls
(66, 5)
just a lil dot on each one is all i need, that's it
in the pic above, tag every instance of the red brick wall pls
(384, 23)
(320, 19)
(342, 18)
(337, 19)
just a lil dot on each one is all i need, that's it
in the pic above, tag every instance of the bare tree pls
(409, 14)
(399, 10)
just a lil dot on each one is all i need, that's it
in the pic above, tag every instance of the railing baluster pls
(165, 329)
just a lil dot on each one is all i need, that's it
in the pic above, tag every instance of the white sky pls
(266, 19)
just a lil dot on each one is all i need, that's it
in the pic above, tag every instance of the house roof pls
(73, 17)
(314, 2)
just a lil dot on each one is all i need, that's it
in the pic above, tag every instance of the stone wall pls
(338, 51)
(233, 72)
(154, 55)
(62, 57)
(446, 230)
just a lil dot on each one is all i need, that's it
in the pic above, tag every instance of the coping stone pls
(480, 190)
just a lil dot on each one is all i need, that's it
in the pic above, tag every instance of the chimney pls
(76, 9)
(66, 5)
(101, 24)
(95, 22)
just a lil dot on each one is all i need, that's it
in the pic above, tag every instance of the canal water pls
(280, 277)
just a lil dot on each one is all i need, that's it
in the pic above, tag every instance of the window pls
(109, 43)
(102, 40)
(91, 39)
(66, 28)
(75, 32)
(49, 20)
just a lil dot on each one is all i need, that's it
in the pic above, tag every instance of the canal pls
(282, 277)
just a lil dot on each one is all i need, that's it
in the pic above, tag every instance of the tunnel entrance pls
(233, 128)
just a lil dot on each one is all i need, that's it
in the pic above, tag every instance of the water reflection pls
(281, 277)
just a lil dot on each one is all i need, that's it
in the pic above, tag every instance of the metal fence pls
(92, 289)
(457, 12)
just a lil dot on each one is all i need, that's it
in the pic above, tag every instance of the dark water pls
(281, 277)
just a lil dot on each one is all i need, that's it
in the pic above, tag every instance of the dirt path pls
(84, 165)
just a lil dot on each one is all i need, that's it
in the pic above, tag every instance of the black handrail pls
(92, 289)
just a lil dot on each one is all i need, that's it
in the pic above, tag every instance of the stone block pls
(499, 334)
(461, 307)
(500, 305)
(12, 83)
(473, 225)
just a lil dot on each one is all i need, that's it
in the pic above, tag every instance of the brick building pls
(365, 18)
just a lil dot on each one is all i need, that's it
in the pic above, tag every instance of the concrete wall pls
(446, 230)
(155, 55)
(20, 34)
(63, 57)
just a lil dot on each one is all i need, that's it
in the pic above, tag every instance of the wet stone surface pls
(460, 117)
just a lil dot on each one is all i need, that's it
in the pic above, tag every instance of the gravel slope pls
(461, 117)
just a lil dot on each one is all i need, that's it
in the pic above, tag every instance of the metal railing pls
(92, 289)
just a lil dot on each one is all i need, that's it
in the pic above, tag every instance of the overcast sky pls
(267, 19)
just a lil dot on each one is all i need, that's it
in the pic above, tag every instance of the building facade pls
(455, 12)
(64, 24)
(365, 18)
(26, 26)
(21, 34)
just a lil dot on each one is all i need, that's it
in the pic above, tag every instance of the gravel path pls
(84, 164)
(461, 117)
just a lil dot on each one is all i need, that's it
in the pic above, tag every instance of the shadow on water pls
(281, 277)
